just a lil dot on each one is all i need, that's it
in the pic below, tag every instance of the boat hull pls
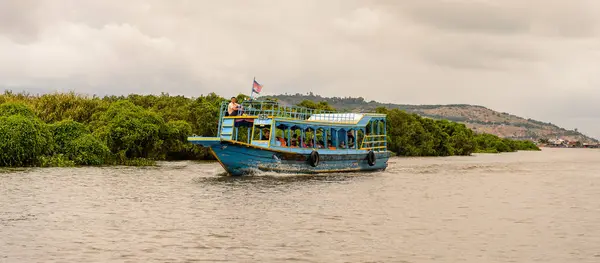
(240, 159)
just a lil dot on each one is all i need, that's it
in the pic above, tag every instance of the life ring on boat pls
(371, 158)
(314, 159)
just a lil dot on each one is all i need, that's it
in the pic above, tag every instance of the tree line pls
(413, 135)
(67, 129)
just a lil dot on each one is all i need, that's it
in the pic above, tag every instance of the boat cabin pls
(268, 124)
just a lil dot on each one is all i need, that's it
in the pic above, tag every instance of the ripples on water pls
(520, 207)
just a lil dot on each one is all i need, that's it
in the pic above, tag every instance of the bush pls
(175, 140)
(488, 143)
(130, 131)
(87, 150)
(11, 108)
(22, 140)
(65, 132)
(412, 135)
(57, 160)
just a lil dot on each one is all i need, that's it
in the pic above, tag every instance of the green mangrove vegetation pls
(67, 129)
(413, 135)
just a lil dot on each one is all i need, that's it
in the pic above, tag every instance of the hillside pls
(478, 118)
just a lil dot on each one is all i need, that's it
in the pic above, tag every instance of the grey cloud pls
(542, 17)
(571, 19)
(514, 56)
(474, 16)
(20, 20)
(481, 53)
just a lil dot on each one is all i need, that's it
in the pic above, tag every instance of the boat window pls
(381, 125)
(294, 137)
(342, 136)
(281, 136)
(320, 135)
(359, 140)
(241, 134)
(309, 138)
(261, 132)
(351, 139)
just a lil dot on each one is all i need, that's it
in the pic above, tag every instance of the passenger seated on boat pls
(294, 141)
(320, 144)
(265, 135)
(281, 142)
(342, 145)
(233, 109)
(330, 145)
(277, 141)
(309, 144)
(350, 139)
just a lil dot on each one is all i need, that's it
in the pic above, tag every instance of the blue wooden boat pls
(269, 136)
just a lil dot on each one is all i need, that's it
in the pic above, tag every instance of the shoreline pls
(157, 163)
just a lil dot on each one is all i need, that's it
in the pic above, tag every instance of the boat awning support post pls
(355, 133)
(385, 133)
(325, 138)
(346, 139)
(314, 138)
(249, 135)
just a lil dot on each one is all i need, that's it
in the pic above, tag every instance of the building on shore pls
(562, 143)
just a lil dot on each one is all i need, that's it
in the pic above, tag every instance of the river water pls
(516, 207)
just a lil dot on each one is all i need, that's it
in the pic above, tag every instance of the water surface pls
(517, 207)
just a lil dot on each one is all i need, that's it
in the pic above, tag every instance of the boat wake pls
(270, 178)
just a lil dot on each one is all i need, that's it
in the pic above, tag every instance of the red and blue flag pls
(257, 88)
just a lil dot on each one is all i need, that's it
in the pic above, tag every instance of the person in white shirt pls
(233, 107)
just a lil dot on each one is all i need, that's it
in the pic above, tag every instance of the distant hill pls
(478, 118)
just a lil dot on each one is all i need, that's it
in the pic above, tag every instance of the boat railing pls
(222, 110)
(376, 143)
(275, 109)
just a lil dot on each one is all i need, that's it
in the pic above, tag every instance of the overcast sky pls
(536, 58)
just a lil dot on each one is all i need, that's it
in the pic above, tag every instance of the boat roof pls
(297, 114)
(337, 117)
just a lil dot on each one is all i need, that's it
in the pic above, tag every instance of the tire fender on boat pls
(314, 159)
(371, 158)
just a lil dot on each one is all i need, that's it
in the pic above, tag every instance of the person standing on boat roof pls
(233, 109)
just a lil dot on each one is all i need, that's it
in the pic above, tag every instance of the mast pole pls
(252, 92)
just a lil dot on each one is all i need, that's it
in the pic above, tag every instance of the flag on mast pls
(256, 88)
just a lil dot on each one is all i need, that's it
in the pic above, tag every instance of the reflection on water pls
(520, 207)
(266, 179)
